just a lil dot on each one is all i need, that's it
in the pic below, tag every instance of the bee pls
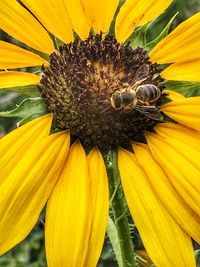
(124, 99)
(138, 97)
(147, 93)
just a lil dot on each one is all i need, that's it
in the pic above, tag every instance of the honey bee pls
(147, 93)
(138, 97)
(124, 99)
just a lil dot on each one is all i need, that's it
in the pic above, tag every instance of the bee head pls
(115, 100)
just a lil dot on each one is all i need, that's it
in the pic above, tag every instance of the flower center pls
(104, 92)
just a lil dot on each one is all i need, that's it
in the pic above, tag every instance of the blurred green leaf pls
(27, 108)
(197, 256)
(138, 38)
(30, 90)
(113, 236)
(185, 88)
(29, 253)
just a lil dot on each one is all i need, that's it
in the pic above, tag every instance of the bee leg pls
(105, 109)
(128, 109)
(142, 103)
(104, 101)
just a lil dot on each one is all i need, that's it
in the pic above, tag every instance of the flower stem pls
(119, 209)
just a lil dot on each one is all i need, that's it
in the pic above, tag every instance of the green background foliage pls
(30, 252)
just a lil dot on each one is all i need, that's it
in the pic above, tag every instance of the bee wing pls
(140, 75)
(150, 111)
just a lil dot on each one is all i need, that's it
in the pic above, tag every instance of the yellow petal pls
(183, 173)
(186, 111)
(24, 193)
(162, 186)
(12, 56)
(172, 95)
(183, 148)
(68, 218)
(134, 13)
(185, 70)
(53, 15)
(180, 44)
(10, 79)
(100, 13)
(165, 241)
(100, 206)
(19, 23)
(180, 132)
(15, 144)
(79, 20)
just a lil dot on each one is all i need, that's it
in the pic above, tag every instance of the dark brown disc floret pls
(78, 85)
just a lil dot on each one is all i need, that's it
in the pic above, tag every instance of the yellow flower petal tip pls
(9, 79)
(185, 39)
(185, 70)
(134, 13)
(185, 111)
(17, 21)
(172, 95)
(12, 56)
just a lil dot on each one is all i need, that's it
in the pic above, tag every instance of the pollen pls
(81, 84)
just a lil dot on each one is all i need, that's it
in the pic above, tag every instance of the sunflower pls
(101, 95)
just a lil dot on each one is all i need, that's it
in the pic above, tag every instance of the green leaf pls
(29, 107)
(57, 42)
(164, 33)
(187, 89)
(114, 239)
(29, 90)
(197, 256)
(112, 26)
(138, 38)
